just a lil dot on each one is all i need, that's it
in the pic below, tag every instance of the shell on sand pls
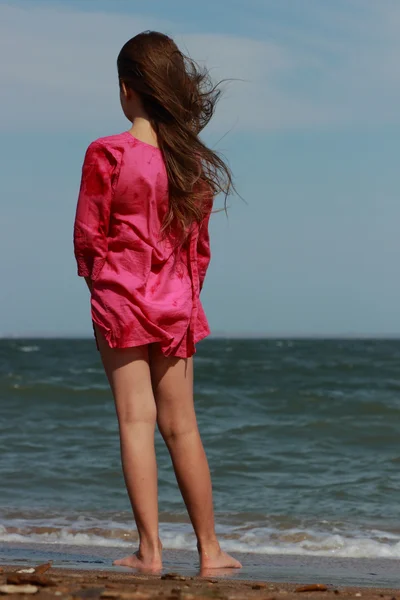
(31, 570)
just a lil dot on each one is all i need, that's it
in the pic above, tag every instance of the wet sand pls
(53, 583)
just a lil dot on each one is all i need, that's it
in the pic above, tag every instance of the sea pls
(302, 437)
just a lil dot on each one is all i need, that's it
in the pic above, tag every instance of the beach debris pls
(173, 576)
(40, 569)
(358, 594)
(30, 570)
(18, 589)
(258, 586)
(111, 593)
(313, 587)
(90, 592)
(126, 595)
(21, 579)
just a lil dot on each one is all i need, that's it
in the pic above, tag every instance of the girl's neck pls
(143, 130)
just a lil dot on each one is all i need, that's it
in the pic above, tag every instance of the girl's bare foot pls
(137, 561)
(212, 557)
(144, 560)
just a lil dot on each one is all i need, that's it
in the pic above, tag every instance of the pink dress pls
(145, 289)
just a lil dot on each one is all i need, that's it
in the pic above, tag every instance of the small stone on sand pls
(18, 589)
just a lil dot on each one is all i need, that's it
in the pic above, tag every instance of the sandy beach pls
(47, 583)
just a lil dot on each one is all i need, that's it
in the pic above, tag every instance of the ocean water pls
(302, 438)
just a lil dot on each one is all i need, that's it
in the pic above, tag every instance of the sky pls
(310, 126)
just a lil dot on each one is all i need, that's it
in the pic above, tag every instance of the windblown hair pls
(180, 99)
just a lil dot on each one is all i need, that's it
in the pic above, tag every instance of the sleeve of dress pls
(93, 210)
(203, 248)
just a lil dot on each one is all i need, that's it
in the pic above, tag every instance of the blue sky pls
(312, 127)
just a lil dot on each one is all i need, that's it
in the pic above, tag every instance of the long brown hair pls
(180, 99)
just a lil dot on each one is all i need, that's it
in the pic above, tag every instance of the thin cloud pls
(59, 68)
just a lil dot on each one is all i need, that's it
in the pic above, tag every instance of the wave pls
(247, 539)
(29, 348)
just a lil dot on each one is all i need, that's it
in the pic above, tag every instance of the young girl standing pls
(141, 241)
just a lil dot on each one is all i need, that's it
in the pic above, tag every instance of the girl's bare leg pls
(173, 391)
(128, 373)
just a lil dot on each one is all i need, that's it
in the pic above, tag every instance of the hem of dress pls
(115, 343)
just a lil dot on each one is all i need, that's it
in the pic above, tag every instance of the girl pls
(141, 241)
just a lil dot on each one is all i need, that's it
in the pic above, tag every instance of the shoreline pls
(65, 583)
(363, 574)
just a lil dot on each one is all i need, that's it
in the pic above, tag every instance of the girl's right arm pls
(93, 211)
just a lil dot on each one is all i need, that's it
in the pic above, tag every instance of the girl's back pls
(145, 285)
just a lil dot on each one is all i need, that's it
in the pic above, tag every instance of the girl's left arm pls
(93, 211)
(203, 247)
